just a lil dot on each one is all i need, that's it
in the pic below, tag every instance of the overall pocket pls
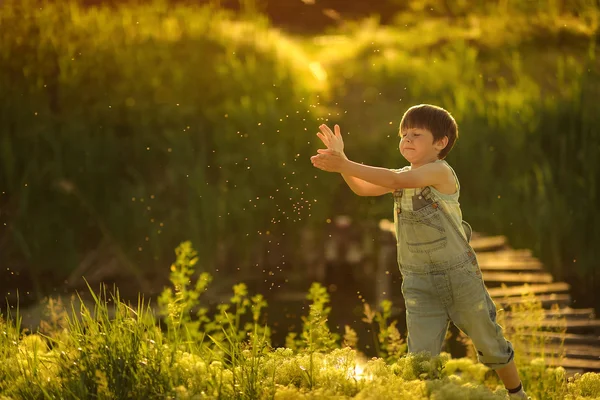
(472, 270)
(424, 231)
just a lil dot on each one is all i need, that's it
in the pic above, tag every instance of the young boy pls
(441, 279)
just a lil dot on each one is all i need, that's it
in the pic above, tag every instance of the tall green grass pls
(131, 129)
(127, 130)
(116, 350)
(527, 155)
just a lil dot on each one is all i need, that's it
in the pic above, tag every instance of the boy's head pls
(433, 119)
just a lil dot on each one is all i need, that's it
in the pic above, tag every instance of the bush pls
(526, 153)
(130, 129)
(116, 350)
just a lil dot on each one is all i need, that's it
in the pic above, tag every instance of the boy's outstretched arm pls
(334, 142)
(428, 175)
(364, 188)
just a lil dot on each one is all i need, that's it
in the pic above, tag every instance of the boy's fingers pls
(338, 133)
(323, 138)
(325, 129)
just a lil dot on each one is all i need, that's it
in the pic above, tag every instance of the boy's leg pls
(426, 316)
(509, 375)
(474, 312)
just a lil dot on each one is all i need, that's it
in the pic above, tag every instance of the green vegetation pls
(528, 150)
(127, 130)
(119, 351)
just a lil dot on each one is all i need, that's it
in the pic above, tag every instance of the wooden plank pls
(580, 351)
(510, 265)
(387, 226)
(566, 312)
(571, 351)
(569, 338)
(523, 277)
(508, 254)
(520, 290)
(488, 243)
(552, 323)
(547, 300)
(575, 363)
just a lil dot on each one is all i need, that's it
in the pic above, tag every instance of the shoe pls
(519, 395)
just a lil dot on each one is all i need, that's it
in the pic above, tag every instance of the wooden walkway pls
(566, 335)
(509, 274)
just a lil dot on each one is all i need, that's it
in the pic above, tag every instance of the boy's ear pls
(443, 142)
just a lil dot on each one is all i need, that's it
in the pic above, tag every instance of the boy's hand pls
(329, 160)
(332, 141)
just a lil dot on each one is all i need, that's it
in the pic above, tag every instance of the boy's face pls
(418, 147)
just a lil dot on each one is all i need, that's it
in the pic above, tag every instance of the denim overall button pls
(435, 205)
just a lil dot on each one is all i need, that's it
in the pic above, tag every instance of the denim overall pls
(441, 279)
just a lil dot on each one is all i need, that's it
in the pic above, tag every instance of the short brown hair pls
(436, 120)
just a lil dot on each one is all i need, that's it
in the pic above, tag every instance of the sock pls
(516, 390)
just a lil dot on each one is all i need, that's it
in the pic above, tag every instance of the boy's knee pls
(496, 359)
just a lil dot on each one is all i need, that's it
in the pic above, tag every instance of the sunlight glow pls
(359, 373)
(318, 71)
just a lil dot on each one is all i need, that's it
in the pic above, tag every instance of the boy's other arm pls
(434, 174)
(364, 188)
(334, 142)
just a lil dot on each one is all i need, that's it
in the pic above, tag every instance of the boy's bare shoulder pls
(448, 184)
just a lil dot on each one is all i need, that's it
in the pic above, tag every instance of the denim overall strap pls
(428, 240)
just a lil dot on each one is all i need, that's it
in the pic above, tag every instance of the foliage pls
(527, 327)
(126, 356)
(135, 127)
(468, 8)
(387, 340)
(526, 124)
(131, 160)
(316, 335)
(177, 303)
(116, 351)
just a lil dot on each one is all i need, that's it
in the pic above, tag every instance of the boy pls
(441, 279)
